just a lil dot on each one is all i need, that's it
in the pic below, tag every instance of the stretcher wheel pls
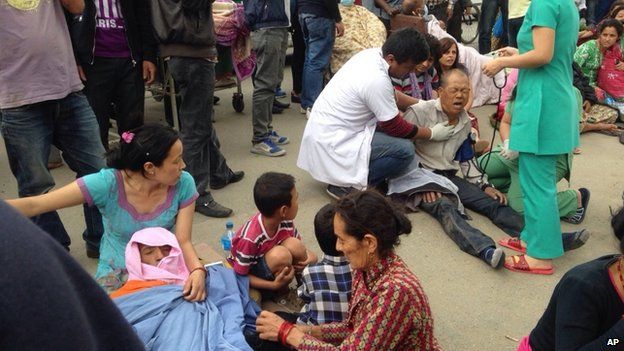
(237, 102)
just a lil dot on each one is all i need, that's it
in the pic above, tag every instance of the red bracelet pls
(284, 329)
(200, 268)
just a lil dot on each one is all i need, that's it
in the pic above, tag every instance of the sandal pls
(512, 243)
(520, 265)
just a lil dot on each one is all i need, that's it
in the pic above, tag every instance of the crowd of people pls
(389, 130)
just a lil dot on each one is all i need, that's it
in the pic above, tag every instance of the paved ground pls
(474, 307)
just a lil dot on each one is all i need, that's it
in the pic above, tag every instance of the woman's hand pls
(492, 67)
(620, 66)
(267, 325)
(507, 153)
(507, 51)
(195, 286)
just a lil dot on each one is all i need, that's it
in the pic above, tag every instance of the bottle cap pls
(229, 224)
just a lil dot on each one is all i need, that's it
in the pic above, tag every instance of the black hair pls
(617, 224)
(324, 230)
(148, 143)
(452, 71)
(434, 47)
(610, 22)
(272, 191)
(369, 212)
(406, 44)
(616, 7)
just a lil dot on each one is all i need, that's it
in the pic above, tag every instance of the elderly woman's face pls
(353, 249)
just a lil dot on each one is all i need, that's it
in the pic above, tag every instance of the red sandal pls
(512, 243)
(520, 265)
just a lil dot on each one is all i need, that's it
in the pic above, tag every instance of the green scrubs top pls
(545, 119)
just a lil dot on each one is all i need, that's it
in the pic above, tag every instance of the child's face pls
(153, 254)
(291, 211)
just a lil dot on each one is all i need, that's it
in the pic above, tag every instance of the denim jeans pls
(118, 81)
(270, 46)
(489, 11)
(70, 125)
(514, 27)
(319, 34)
(389, 157)
(469, 239)
(473, 198)
(194, 81)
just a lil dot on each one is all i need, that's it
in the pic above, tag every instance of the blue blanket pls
(163, 320)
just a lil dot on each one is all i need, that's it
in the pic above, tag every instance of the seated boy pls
(326, 287)
(153, 258)
(268, 248)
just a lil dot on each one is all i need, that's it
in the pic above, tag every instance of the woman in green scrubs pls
(545, 124)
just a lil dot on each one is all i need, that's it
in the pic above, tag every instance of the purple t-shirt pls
(36, 58)
(110, 34)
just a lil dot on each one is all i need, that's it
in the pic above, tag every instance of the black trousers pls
(118, 82)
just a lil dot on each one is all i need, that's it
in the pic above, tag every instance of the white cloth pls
(483, 89)
(336, 143)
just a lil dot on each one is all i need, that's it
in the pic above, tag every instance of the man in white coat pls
(356, 136)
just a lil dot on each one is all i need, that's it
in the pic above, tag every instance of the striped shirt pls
(252, 241)
(326, 290)
(388, 311)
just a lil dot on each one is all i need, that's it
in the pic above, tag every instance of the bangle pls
(200, 268)
(283, 331)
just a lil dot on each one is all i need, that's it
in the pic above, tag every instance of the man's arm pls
(75, 7)
(400, 128)
(404, 101)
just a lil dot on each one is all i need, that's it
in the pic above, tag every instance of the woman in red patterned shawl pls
(388, 308)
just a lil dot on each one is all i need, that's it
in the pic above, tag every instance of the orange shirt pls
(133, 286)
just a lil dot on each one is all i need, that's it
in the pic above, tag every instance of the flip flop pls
(512, 243)
(520, 265)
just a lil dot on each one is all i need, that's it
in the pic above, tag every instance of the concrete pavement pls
(474, 307)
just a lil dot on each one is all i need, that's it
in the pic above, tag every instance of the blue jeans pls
(489, 11)
(194, 81)
(70, 125)
(514, 27)
(389, 157)
(319, 34)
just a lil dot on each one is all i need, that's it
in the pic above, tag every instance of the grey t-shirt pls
(36, 59)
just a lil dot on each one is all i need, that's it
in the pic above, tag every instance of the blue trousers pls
(70, 125)
(319, 34)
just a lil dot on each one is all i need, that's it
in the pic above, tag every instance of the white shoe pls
(308, 112)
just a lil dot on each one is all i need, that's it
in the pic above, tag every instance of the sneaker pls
(574, 240)
(278, 139)
(279, 93)
(338, 192)
(267, 148)
(579, 215)
(302, 110)
(494, 256)
(233, 178)
(308, 112)
(282, 105)
(212, 208)
(276, 110)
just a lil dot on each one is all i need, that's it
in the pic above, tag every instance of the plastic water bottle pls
(226, 238)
